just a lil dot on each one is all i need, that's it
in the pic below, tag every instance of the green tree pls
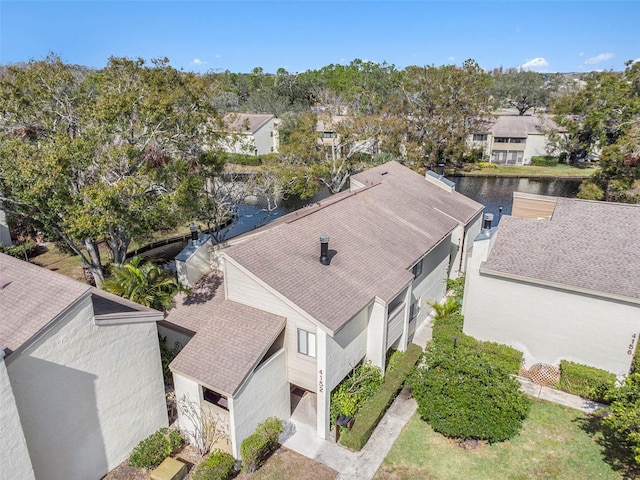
(522, 90)
(99, 155)
(143, 282)
(442, 107)
(623, 416)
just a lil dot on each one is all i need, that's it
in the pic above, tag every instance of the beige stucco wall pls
(549, 324)
(15, 462)
(241, 288)
(88, 394)
(264, 394)
(188, 393)
(536, 146)
(263, 139)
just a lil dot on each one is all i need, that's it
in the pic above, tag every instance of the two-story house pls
(248, 134)
(295, 305)
(81, 379)
(514, 139)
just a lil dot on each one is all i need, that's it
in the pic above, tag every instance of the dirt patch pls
(402, 473)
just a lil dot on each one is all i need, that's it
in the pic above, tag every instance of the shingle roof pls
(586, 245)
(245, 122)
(230, 338)
(33, 299)
(376, 234)
(107, 305)
(519, 125)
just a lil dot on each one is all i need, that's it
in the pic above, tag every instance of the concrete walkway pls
(363, 465)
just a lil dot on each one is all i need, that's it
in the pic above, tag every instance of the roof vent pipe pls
(441, 168)
(324, 249)
(488, 219)
(194, 233)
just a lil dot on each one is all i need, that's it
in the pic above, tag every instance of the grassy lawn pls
(286, 464)
(554, 444)
(530, 170)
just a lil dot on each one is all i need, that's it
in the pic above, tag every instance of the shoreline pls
(534, 176)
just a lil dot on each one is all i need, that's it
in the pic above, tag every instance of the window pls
(417, 269)
(215, 398)
(414, 310)
(480, 137)
(306, 343)
(327, 134)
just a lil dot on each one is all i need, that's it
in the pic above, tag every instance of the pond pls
(494, 192)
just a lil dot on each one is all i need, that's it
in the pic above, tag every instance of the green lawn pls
(553, 444)
(530, 170)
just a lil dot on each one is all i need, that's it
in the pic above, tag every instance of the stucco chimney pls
(324, 249)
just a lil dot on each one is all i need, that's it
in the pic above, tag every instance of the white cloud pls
(636, 60)
(197, 61)
(598, 58)
(451, 59)
(581, 54)
(538, 63)
(218, 56)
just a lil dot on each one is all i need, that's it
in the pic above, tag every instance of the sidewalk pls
(558, 396)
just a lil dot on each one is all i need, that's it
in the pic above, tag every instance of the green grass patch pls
(553, 444)
(560, 170)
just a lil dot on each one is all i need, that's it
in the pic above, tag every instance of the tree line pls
(117, 153)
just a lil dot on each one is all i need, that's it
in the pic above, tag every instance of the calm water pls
(496, 192)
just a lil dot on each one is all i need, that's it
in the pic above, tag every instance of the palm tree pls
(143, 282)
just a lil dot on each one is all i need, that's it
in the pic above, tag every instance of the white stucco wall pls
(536, 146)
(88, 394)
(377, 334)
(548, 324)
(263, 139)
(5, 236)
(191, 270)
(188, 393)
(431, 286)
(264, 394)
(15, 462)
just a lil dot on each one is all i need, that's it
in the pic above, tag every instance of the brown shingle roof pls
(230, 338)
(377, 234)
(245, 122)
(586, 245)
(520, 126)
(33, 299)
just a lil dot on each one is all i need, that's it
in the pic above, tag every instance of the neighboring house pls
(514, 139)
(329, 137)
(295, 305)
(249, 134)
(560, 279)
(81, 377)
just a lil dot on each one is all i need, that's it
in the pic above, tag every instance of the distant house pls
(295, 305)
(329, 137)
(81, 378)
(559, 279)
(5, 234)
(249, 134)
(514, 139)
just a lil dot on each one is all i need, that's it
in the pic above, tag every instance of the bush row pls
(544, 161)
(151, 451)
(587, 382)
(353, 391)
(372, 411)
(257, 447)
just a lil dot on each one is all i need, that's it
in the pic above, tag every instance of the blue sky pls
(552, 36)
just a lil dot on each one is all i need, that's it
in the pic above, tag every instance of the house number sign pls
(633, 341)
(320, 382)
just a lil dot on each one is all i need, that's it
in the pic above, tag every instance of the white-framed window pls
(479, 137)
(417, 269)
(306, 343)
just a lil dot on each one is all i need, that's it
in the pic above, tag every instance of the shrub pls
(372, 411)
(18, 251)
(587, 382)
(150, 452)
(257, 447)
(463, 395)
(353, 391)
(502, 356)
(544, 161)
(486, 165)
(216, 466)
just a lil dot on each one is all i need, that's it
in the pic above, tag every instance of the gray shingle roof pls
(520, 125)
(33, 299)
(376, 233)
(230, 338)
(586, 245)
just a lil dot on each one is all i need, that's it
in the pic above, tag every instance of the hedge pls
(216, 466)
(544, 161)
(18, 251)
(587, 382)
(373, 410)
(151, 451)
(257, 447)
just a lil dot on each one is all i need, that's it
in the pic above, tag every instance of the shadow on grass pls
(615, 451)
